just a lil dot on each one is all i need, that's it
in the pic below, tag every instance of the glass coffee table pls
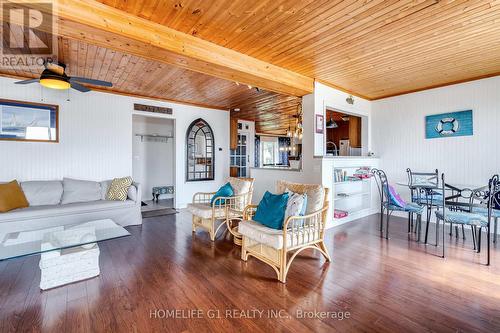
(67, 253)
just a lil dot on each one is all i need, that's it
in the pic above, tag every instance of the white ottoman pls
(69, 265)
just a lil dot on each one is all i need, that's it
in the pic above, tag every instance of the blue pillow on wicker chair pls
(225, 191)
(271, 210)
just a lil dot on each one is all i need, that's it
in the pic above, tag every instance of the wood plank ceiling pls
(140, 77)
(373, 48)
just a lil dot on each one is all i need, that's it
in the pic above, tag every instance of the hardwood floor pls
(385, 286)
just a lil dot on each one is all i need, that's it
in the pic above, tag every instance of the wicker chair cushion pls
(484, 211)
(315, 193)
(274, 238)
(205, 210)
(410, 207)
(463, 218)
(433, 199)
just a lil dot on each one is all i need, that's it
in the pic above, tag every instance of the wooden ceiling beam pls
(98, 24)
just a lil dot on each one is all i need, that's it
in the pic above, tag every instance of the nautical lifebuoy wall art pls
(450, 124)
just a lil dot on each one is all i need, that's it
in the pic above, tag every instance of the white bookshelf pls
(356, 197)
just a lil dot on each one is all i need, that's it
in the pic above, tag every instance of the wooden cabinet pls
(233, 133)
(348, 128)
(355, 131)
(233, 171)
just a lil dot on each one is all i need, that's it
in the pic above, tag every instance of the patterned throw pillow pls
(118, 189)
(296, 205)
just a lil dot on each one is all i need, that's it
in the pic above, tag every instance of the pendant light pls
(331, 123)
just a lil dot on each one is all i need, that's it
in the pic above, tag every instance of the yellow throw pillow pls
(118, 189)
(12, 197)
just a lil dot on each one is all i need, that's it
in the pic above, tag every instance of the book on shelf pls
(338, 214)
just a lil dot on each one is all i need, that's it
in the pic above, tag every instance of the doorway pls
(153, 164)
(240, 157)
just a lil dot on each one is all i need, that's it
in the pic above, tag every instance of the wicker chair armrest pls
(249, 212)
(203, 197)
(305, 229)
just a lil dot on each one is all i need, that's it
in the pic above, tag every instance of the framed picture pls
(320, 123)
(450, 124)
(26, 121)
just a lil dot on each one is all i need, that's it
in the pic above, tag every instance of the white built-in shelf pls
(352, 181)
(351, 195)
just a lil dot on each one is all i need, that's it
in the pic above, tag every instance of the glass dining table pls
(455, 191)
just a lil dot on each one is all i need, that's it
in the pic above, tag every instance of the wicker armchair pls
(224, 209)
(299, 233)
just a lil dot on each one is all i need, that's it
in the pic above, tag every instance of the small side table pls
(232, 226)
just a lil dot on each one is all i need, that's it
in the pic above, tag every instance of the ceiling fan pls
(54, 77)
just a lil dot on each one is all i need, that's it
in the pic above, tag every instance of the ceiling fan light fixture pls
(54, 83)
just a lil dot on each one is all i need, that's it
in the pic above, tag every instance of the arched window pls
(200, 151)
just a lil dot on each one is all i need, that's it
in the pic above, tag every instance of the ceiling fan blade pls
(90, 81)
(27, 81)
(79, 87)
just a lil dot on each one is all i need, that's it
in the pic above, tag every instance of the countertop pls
(276, 168)
(346, 157)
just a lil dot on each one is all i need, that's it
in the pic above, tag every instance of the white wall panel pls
(398, 133)
(96, 139)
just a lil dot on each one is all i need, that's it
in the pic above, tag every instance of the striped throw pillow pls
(118, 189)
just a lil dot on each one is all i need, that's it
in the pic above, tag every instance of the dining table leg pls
(442, 245)
(419, 224)
(427, 230)
(437, 231)
(473, 230)
(479, 240)
(495, 230)
(410, 222)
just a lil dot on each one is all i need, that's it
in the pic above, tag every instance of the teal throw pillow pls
(224, 191)
(271, 210)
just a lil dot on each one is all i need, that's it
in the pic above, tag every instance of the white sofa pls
(70, 201)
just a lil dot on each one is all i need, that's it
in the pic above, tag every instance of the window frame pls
(190, 129)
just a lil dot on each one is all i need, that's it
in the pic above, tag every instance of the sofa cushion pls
(315, 193)
(132, 192)
(11, 197)
(44, 192)
(274, 238)
(34, 212)
(76, 190)
(104, 188)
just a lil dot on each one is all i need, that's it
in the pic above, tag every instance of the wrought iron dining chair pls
(387, 206)
(495, 208)
(464, 213)
(425, 191)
